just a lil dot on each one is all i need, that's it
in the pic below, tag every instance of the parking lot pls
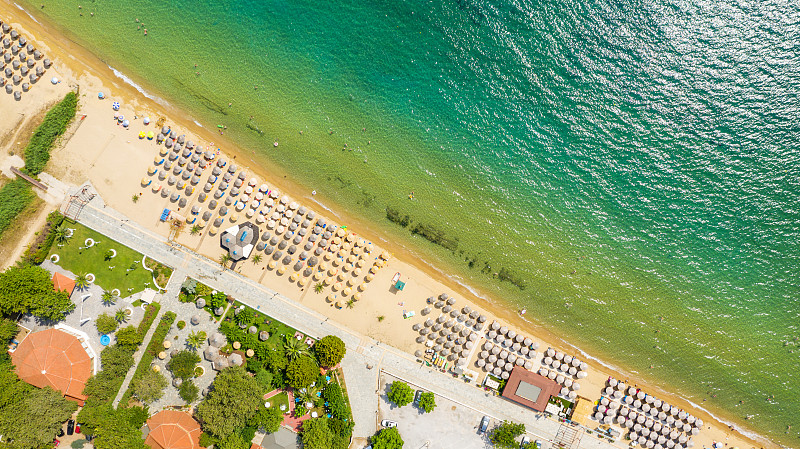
(449, 426)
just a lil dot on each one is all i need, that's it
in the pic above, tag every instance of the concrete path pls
(173, 288)
(365, 357)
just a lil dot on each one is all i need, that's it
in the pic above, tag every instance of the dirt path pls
(22, 231)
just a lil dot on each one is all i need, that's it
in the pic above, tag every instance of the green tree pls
(329, 350)
(188, 391)
(82, 282)
(225, 260)
(294, 348)
(387, 439)
(149, 386)
(8, 330)
(30, 417)
(194, 230)
(183, 363)
(30, 289)
(301, 372)
(108, 298)
(244, 317)
(318, 435)
(269, 419)
(195, 340)
(264, 378)
(61, 234)
(234, 441)
(135, 198)
(427, 402)
(121, 316)
(504, 436)
(400, 393)
(105, 323)
(256, 259)
(318, 287)
(129, 337)
(234, 399)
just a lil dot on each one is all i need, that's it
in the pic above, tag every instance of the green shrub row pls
(153, 348)
(37, 153)
(14, 198)
(150, 313)
(38, 251)
(336, 404)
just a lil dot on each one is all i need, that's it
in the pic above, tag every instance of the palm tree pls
(225, 260)
(195, 339)
(108, 298)
(310, 395)
(135, 198)
(81, 282)
(351, 303)
(121, 316)
(61, 234)
(294, 348)
(195, 230)
(318, 287)
(256, 259)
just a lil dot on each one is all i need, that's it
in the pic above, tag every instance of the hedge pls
(14, 198)
(37, 153)
(39, 249)
(153, 348)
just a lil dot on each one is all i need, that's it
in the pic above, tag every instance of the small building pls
(282, 439)
(239, 240)
(530, 389)
(172, 429)
(62, 283)
(54, 358)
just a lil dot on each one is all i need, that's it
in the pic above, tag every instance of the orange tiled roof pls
(63, 283)
(56, 359)
(172, 429)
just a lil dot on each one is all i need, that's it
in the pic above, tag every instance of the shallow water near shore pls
(634, 163)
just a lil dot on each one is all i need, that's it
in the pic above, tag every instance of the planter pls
(199, 371)
(54, 258)
(90, 278)
(88, 243)
(69, 232)
(113, 253)
(116, 292)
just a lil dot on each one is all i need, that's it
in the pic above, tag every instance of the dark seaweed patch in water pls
(205, 101)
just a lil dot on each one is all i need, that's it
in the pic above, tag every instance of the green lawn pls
(279, 399)
(75, 257)
(264, 322)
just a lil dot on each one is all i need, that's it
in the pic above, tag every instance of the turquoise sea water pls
(635, 162)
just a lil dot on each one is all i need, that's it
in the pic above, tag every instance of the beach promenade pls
(366, 357)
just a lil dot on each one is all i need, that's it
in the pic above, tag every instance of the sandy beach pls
(98, 149)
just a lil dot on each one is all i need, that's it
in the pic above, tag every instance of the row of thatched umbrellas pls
(649, 406)
(19, 61)
(466, 316)
(447, 336)
(303, 234)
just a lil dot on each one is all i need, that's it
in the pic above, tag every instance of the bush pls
(264, 378)
(105, 323)
(14, 198)
(218, 300)
(337, 406)
(269, 419)
(181, 324)
(150, 314)
(37, 153)
(387, 439)
(400, 393)
(329, 350)
(129, 336)
(188, 391)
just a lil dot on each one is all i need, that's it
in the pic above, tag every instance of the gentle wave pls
(139, 88)
(26, 12)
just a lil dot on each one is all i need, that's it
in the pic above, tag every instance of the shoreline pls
(81, 61)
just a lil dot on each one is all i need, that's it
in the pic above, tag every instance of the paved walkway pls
(365, 357)
(173, 288)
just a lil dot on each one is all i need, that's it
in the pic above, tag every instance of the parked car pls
(484, 424)
(416, 397)
(77, 427)
(70, 427)
(526, 440)
(387, 423)
(537, 444)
